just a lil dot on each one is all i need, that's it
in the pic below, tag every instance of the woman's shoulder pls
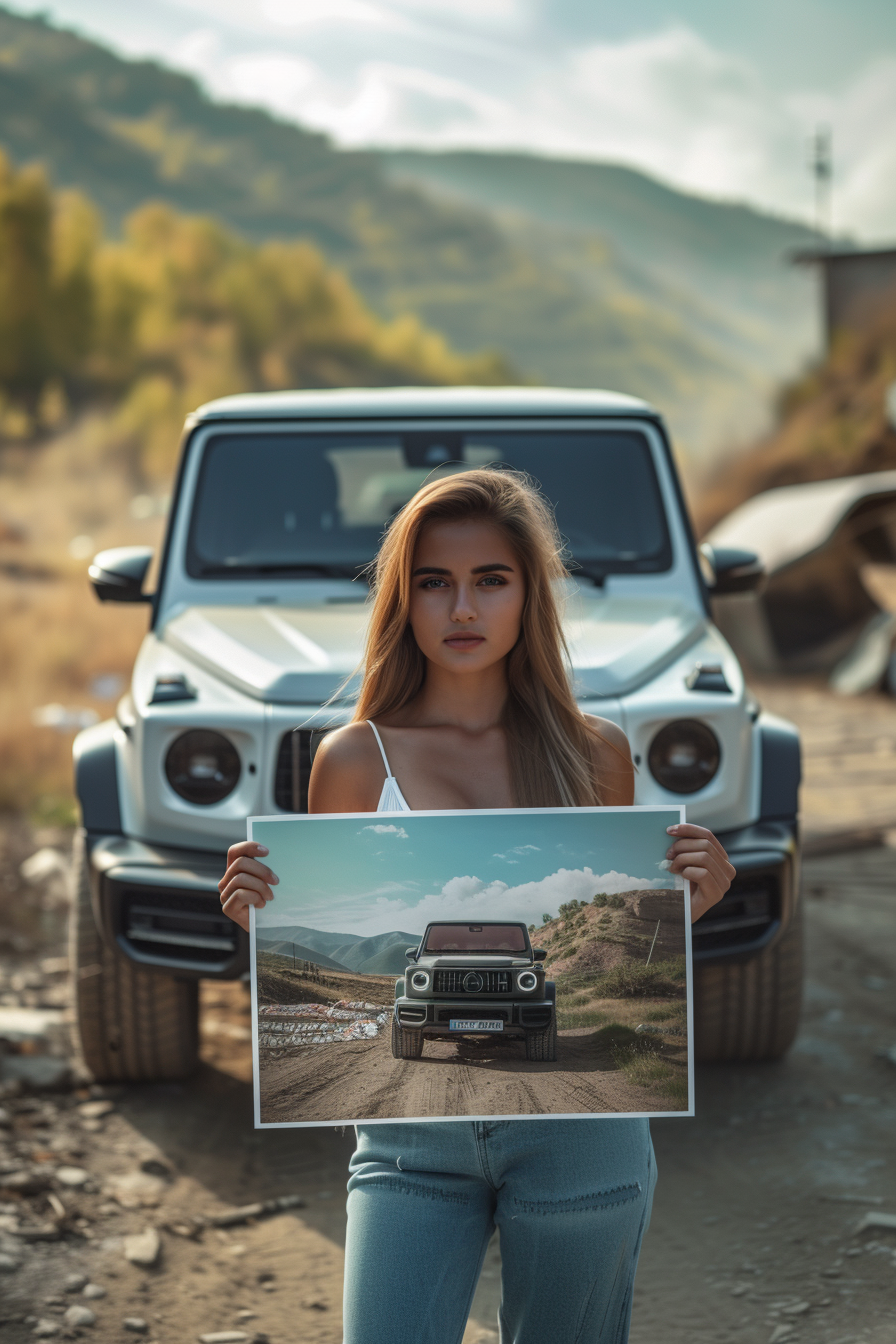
(348, 770)
(607, 733)
(612, 758)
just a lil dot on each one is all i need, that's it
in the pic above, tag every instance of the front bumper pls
(432, 1016)
(763, 898)
(160, 906)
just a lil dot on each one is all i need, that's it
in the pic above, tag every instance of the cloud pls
(398, 831)
(522, 850)
(468, 897)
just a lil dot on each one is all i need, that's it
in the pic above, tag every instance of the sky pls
(368, 876)
(720, 99)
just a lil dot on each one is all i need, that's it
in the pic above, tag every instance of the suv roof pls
(429, 402)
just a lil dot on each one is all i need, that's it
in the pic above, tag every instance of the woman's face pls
(467, 595)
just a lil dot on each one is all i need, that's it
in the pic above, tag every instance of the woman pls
(466, 703)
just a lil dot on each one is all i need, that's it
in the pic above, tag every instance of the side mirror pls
(539, 954)
(411, 954)
(117, 575)
(727, 569)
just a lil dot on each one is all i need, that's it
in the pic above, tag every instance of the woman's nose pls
(464, 608)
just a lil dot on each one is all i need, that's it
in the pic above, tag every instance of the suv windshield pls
(317, 503)
(476, 938)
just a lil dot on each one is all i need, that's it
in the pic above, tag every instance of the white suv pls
(258, 618)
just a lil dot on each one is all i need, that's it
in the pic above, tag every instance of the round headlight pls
(420, 979)
(684, 756)
(202, 766)
(527, 980)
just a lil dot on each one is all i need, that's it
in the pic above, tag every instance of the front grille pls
(746, 912)
(178, 926)
(293, 768)
(452, 982)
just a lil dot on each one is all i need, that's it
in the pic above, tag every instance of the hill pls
(287, 948)
(581, 274)
(832, 422)
(382, 954)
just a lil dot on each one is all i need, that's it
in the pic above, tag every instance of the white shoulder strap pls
(379, 741)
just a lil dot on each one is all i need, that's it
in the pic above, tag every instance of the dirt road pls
(362, 1078)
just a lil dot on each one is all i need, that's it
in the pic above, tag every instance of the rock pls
(8, 1263)
(247, 1315)
(94, 1291)
(315, 1304)
(42, 1072)
(46, 863)
(667, 906)
(28, 1025)
(26, 1182)
(77, 1316)
(798, 1309)
(152, 1166)
(224, 1337)
(780, 1333)
(142, 1248)
(47, 1329)
(136, 1325)
(73, 1283)
(137, 1189)
(95, 1110)
(883, 1221)
(5, 1119)
(72, 1176)
(647, 1029)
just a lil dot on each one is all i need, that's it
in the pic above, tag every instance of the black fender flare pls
(96, 779)
(780, 768)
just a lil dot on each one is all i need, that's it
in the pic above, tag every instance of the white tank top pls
(391, 798)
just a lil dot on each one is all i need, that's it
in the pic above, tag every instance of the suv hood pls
(302, 655)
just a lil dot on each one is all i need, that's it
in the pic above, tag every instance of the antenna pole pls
(821, 166)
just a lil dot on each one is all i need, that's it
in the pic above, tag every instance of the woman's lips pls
(464, 641)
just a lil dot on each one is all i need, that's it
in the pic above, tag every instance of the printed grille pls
(452, 982)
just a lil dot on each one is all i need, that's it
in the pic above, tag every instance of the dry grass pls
(55, 638)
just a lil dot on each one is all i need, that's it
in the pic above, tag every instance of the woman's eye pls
(493, 581)
(433, 583)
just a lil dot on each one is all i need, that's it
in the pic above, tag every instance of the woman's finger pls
(247, 882)
(688, 830)
(238, 911)
(244, 864)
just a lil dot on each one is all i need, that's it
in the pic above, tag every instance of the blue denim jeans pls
(571, 1200)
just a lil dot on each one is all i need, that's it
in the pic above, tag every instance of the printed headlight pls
(684, 756)
(202, 766)
(527, 981)
(420, 979)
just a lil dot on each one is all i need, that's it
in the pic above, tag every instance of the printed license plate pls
(476, 1024)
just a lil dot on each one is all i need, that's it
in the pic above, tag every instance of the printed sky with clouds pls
(716, 98)
(373, 874)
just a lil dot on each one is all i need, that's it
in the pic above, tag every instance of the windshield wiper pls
(287, 567)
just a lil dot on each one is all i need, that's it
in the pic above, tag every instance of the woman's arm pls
(695, 853)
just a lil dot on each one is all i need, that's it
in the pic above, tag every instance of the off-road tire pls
(406, 1044)
(133, 1025)
(750, 1009)
(542, 1045)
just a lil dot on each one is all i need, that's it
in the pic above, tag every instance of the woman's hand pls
(246, 882)
(697, 856)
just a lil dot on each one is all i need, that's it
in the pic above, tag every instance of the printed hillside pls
(580, 274)
(590, 939)
(383, 954)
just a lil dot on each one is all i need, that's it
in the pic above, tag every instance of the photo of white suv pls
(257, 622)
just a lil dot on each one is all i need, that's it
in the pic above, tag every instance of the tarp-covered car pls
(257, 619)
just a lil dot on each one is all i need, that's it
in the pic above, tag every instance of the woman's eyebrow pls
(429, 569)
(489, 569)
(480, 569)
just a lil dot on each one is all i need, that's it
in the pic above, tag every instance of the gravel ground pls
(764, 1227)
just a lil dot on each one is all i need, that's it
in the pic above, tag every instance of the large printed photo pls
(433, 966)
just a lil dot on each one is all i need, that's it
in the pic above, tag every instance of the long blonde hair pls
(550, 743)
